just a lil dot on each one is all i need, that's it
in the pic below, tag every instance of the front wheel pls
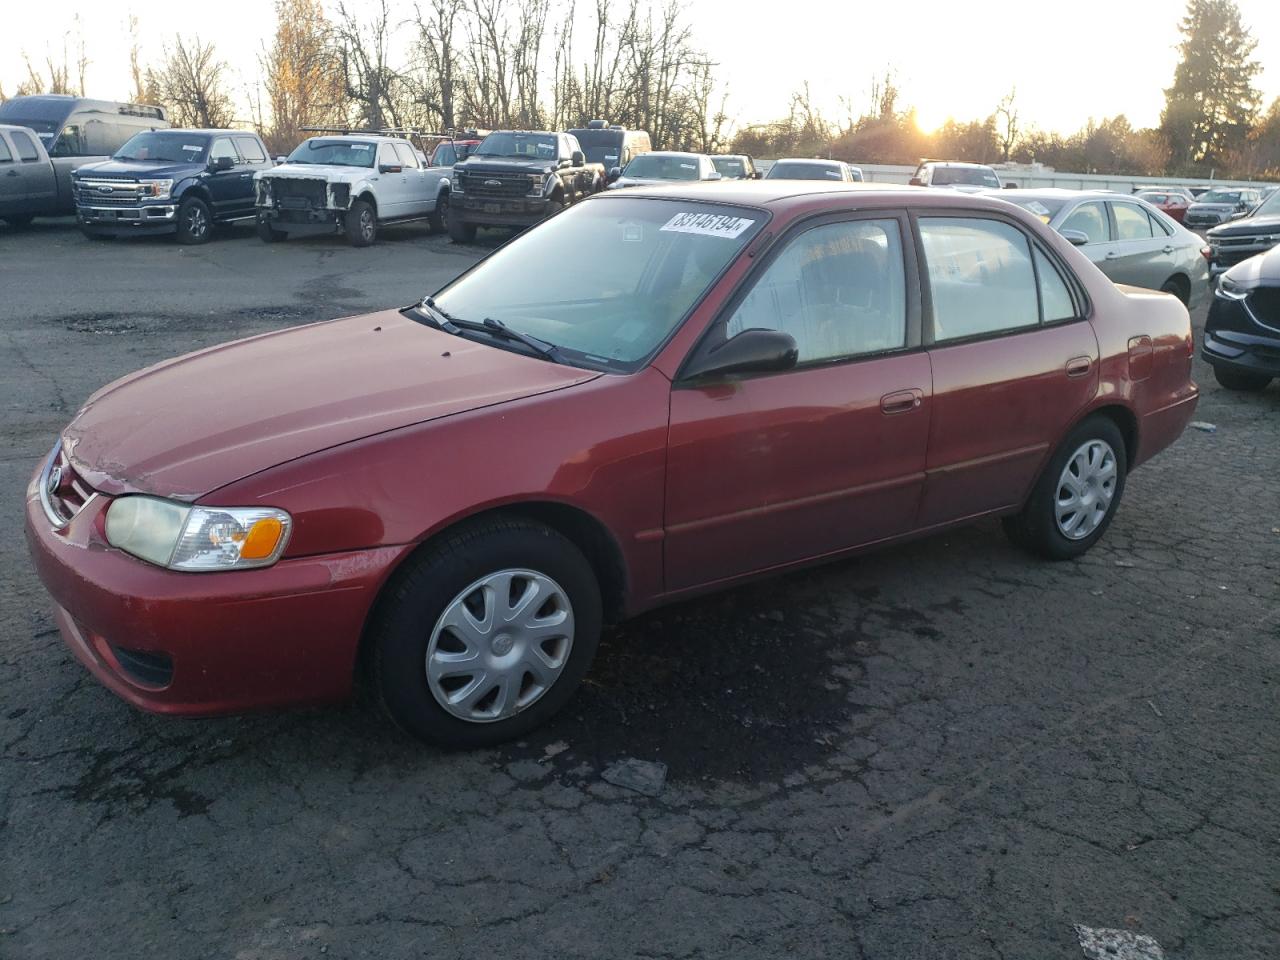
(1075, 498)
(438, 220)
(19, 220)
(486, 634)
(269, 234)
(361, 224)
(1240, 380)
(460, 232)
(195, 224)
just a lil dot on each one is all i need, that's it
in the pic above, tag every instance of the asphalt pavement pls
(942, 750)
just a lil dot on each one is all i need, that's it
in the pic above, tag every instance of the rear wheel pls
(460, 232)
(19, 220)
(1240, 380)
(195, 224)
(438, 221)
(361, 224)
(1179, 288)
(268, 234)
(486, 634)
(1075, 498)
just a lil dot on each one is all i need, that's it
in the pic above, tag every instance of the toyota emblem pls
(55, 480)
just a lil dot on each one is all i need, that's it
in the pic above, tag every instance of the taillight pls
(1207, 252)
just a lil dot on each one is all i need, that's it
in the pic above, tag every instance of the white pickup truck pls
(351, 183)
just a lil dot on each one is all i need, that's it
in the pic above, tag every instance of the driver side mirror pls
(716, 175)
(389, 168)
(757, 175)
(915, 182)
(280, 160)
(1077, 238)
(751, 351)
(578, 158)
(222, 163)
(614, 173)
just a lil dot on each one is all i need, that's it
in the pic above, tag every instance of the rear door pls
(1014, 362)
(1141, 254)
(10, 178)
(771, 469)
(30, 176)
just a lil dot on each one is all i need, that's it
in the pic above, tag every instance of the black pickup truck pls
(516, 178)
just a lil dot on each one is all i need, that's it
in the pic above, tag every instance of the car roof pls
(1061, 193)
(784, 195)
(672, 153)
(819, 160)
(360, 137)
(956, 163)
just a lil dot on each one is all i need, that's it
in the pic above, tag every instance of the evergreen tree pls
(1212, 104)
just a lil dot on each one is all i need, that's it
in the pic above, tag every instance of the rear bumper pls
(202, 644)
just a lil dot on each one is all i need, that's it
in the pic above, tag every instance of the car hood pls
(478, 167)
(140, 170)
(1260, 271)
(1247, 226)
(315, 171)
(188, 426)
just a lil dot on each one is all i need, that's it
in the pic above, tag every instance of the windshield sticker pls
(708, 225)
(1038, 208)
(192, 146)
(689, 166)
(632, 233)
(360, 146)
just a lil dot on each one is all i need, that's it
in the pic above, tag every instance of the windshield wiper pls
(438, 317)
(443, 320)
(541, 347)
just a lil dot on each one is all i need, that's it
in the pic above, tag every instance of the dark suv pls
(1242, 331)
(171, 181)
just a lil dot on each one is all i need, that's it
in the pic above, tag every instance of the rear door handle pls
(1112, 255)
(1167, 250)
(901, 401)
(1079, 366)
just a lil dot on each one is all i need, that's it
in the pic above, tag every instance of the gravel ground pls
(941, 750)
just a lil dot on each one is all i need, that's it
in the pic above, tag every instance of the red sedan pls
(747, 379)
(1173, 204)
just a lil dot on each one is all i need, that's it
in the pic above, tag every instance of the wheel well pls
(196, 193)
(1127, 424)
(369, 198)
(1183, 283)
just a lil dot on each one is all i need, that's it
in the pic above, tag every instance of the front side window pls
(652, 260)
(980, 277)
(1091, 220)
(445, 156)
(1132, 223)
(838, 289)
(5, 155)
(70, 142)
(251, 150)
(24, 145)
(408, 159)
(223, 147)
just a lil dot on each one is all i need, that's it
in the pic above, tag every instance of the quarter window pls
(22, 143)
(980, 277)
(1132, 223)
(1091, 220)
(838, 289)
(1055, 298)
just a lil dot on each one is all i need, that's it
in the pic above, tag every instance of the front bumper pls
(314, 219)
(522, 212)
(113, 220)
(205, 643)
(1245, 352)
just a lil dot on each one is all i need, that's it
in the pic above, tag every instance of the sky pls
(950, 58)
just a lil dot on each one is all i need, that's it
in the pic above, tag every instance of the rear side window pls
(1091, 220)
(980, 277)
(23, 144)
(5, 155)
(838, 289)
(251, 150)
(1132, 222)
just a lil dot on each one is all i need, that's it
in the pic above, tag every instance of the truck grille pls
(297, 194)
(499, 186)
(107, 192)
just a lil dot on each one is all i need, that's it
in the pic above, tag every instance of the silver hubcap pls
(1085, 490)
(195, 222)
(366, 224)
(500, 645)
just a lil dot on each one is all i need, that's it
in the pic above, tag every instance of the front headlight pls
(183, 537)
(1228, 289)
(156, 189)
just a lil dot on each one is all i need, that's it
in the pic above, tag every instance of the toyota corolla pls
(460, 493)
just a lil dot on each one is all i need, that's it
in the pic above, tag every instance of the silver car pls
(1127, 239)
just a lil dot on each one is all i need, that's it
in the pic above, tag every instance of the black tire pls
(96, 237)
(269, 234)
(1035, 527)
(195, 222)
(460, 232)
(559, 204)
(361, 223)
(1240, 380)
(438, 221)
(19, 221)
(1179, 288)
(423, 589)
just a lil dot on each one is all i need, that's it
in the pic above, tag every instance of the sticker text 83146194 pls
(708, 224)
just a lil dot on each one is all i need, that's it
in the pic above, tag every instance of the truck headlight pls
(182, 537)
(155, 189)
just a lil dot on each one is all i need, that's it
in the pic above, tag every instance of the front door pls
(1013, 363)
(226, 186)
(28, 184)
(768, 470)
(393, 183)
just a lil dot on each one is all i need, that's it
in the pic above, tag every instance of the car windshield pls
(164, 147)
(523, 146)
(44, 116)
(657, 166)
(1220, 196)
(338, 153)
(1043, 207)
(652, 260)
(968, 176)
(1269, 207)
(729, 166)
(804, 171)
(600, 146)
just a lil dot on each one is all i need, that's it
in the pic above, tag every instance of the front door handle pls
(12, 173)
(1079, 366)
(901, 401)
(1112, 255)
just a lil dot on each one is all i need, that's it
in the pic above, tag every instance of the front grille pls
(1237, 241)
(499, 186)
(90, 192)
(297, 194)
(62, 491)
(1264, 303)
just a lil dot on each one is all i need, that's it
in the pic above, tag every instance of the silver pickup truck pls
(44, 138)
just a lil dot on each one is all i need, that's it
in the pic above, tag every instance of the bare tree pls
(192, 83)
(436, 89)
(370, 82)
(1008, 129)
